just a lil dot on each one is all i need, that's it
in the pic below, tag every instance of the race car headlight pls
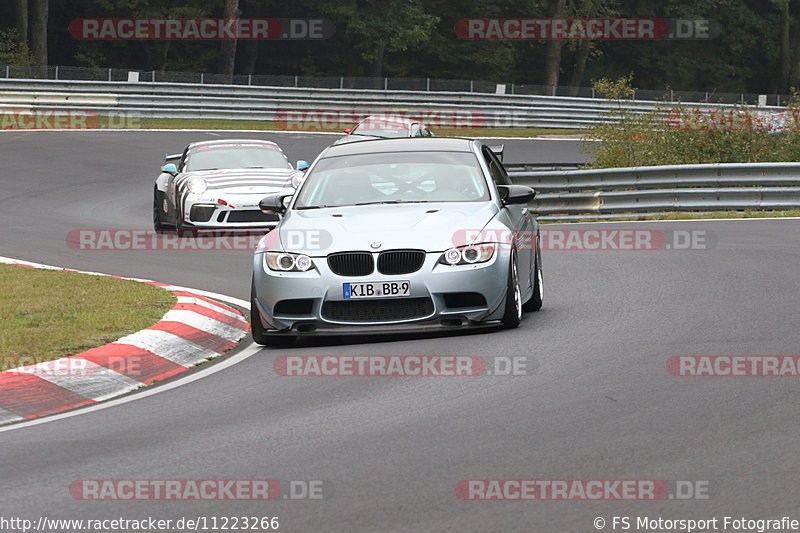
(196, 185)
(467, 255)
(297, 179)
(285, 262)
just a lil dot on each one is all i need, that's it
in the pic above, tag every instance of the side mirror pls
(302, 164)
(515, 194)
(348, 130)
(170, 168)
(274, 204)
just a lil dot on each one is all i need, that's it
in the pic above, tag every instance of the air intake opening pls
(298, 306)
(455, 300)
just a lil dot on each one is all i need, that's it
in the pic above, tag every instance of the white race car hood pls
(243, 181)
(433, 227)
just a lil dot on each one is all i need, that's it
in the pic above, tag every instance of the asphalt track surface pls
(597, 403)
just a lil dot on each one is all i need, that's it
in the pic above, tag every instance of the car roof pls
(405, 144)
(397, 119)
(231, 141)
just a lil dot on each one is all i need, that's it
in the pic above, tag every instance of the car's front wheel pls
(257, 328)
(513, 313)
(158, 225)
(535, 303)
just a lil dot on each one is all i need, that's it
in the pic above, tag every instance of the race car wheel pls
(257, 328)
(158, 226)
(535, 303)
(513, 313)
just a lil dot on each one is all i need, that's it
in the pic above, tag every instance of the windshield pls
(235, 156)
(382, 128)
(364, 179)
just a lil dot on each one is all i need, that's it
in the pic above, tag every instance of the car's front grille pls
(396, 262)
(378, 310)
(351, 263)
(251, 215)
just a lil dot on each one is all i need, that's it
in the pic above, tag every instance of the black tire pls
(158, 225)
(257, 329)
(535, 303)
(513, 305)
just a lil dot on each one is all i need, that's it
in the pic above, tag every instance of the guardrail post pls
(592, 92)
(202, 77)
(249, 79)
(554, 89)
(6, 71)
(471, 85)
(295, 81)
(109, 74)
(512, 88)
(56, 71)
(153, 74)
(427, 87)
(341, 82)
(385, 83)
(671, 95)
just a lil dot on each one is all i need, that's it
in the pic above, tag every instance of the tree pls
(227, 53)
(21, 19)
(552, 65)
(382, 27)
(39, 30)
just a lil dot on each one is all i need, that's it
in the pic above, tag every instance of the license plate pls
(376, 289)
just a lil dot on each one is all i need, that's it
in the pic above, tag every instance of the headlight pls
(467, 255)
(196, 185)
(297, 179)
(285, 262)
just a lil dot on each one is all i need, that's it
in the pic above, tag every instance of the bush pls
(677, 134)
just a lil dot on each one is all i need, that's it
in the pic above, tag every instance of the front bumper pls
(305, 295)
(225, 211)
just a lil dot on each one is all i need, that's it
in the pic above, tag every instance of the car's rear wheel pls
(535, 303)
(513, 313)
(257, 328)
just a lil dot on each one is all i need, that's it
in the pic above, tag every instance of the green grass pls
(228, 124)
(50, 314)
(691, 216)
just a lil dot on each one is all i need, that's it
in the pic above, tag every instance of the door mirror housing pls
(274, 204)
(170, 168)
(515, 194)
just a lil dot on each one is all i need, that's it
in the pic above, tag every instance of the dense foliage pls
(757, 49)
(677, 134)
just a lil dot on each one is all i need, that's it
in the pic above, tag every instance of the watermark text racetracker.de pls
(65, 119)
(196, 490)
(607, 239)
(200, 29)
(415, 366)
(622, 29)
(734, 366)
(534, 490)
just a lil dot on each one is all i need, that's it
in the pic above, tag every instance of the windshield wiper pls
(315, 207)
(381, 202)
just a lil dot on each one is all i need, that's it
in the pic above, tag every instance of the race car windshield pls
(214, 158)
(393, 178)
(382, 128)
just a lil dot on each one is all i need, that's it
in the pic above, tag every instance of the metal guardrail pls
(318, 107)
(56, 72)
(605, 193)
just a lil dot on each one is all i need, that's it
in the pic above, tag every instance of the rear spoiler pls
(498, 151)
(174, 158)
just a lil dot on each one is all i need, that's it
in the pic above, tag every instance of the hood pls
(243, 181)
(431, 227)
